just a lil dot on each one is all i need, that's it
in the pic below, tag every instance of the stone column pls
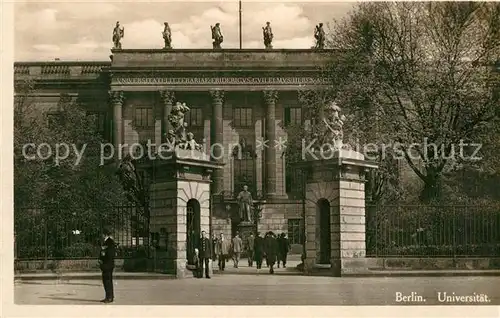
(168, 100)
(216, 137)
(116, 98)
(270, 98)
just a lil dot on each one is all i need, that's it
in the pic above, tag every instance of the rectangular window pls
(293, 116)
(293, 181)
(54, 119)
(296, 231)
(194, 117)
(99, 121)
(242, 117)
(244, 174)
(144, 118)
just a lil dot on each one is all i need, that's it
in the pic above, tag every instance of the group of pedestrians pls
(272, 248)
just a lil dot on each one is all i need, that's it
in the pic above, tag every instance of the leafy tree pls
(427, 69)
(50, 195)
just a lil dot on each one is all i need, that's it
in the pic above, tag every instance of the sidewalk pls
(244, 269)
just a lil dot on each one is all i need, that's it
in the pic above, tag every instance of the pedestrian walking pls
(237, 246)
(284, 248)
(259, 250)
(214, 247)
(223, 247)
(198, 268)
(107, 265)
(271, 248)
(205, 253)
(250, 247)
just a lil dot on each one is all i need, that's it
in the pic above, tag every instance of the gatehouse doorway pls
(325, 241)
(193, 228)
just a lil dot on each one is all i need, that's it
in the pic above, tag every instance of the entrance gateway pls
(182, 187)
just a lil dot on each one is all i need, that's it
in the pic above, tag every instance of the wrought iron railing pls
(55, 232)
(432, 231)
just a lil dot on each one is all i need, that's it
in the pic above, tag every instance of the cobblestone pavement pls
(263, 289)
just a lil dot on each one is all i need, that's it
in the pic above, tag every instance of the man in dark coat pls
(250, 246)
(284, 248)
(107, 265)
(214, 247)
(271, 248)
(259, 250)
(205, 253)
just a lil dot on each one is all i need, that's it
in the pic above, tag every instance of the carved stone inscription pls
(218, 80)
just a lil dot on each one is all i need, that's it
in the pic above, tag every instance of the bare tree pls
(429, 70)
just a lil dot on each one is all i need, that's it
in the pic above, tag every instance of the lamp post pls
(257, 214)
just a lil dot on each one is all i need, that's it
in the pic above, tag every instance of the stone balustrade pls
(58, 69)
(222, 59)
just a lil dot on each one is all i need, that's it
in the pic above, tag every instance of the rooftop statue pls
(334, 124)
(118, 34)
(319, 35)
(217, 36)
(167, 36)
(268, 35)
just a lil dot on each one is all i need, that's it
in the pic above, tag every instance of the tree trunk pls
(432, 186)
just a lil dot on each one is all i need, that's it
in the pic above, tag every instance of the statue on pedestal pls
(217, 36)
(176, 119)
(334, 124)
(128, 178)
(167, 36)
(268, 35)
(118, 34)
(245, 204)
(319, 35)
(171, 139)
(190, 143)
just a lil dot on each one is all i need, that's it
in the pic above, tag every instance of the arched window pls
(244, 167)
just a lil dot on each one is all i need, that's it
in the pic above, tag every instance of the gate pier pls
(335, 212)
(180, 207)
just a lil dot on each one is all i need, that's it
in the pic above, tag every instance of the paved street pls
(262, 289)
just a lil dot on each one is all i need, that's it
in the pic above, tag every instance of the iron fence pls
(432, 231)
(57, 232)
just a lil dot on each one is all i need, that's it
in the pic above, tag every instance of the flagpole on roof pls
(240, 26)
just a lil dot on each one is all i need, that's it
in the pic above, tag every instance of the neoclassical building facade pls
(240, 99)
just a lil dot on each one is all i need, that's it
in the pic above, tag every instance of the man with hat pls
(258, 250)
(271, 248)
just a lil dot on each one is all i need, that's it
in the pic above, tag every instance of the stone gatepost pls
(334, 202)
(337, 186)
(179, 182)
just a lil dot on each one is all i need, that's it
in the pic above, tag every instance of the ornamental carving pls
(270, 96)
(218, 81)
(217, 96)
(116, 97)
(167, 97)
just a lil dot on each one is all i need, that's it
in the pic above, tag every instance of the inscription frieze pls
(218, 80)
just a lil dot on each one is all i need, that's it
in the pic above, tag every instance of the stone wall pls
(275, 216)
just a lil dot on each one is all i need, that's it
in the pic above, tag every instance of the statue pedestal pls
(179, 207)
(245, 229)
(335, 212)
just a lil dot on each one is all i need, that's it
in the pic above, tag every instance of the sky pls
(83, 30)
